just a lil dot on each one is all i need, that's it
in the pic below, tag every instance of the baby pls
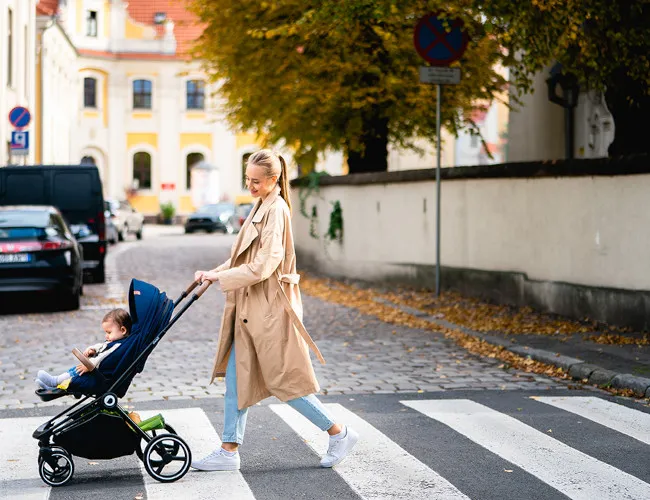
(117, 325)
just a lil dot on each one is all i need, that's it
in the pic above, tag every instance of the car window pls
(56, 225)
(22, 224)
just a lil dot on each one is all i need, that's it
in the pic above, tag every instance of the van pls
(76, 190)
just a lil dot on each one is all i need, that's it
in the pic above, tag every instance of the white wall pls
(21, 91)
(581, 230)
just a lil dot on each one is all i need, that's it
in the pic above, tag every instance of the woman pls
(263, 346)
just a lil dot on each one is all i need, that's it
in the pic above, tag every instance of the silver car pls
(126, 219)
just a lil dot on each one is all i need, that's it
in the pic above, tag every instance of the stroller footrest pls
(50, 394)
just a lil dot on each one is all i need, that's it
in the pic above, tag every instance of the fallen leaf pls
(507, 470)
(93, 463)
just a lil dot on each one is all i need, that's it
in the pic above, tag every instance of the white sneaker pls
(218, 460)
(340, 448)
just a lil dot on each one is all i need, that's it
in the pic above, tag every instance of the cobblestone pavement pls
(364, 354)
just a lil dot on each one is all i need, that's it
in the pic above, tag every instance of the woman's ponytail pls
(284, 183)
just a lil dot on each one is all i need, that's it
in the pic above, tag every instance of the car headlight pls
(223, 217)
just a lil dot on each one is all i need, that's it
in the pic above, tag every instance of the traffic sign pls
(435, 44)
(439, 75)
(20, 117)
(19, 143)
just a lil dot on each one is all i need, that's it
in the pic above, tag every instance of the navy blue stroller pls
(97, 427)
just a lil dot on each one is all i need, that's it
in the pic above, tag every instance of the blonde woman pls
(263, 346)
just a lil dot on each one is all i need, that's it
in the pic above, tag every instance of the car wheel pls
(99, 274)
(138, 235)
(121, 234)
(210, 230)
(188, 231)
(71, 300)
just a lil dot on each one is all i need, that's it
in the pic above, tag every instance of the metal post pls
(438, 99)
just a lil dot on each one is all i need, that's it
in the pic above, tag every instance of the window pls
(88, 160)
(192, 159)
(195, 94)
(10, 47)
(142, 94)
(142, 170)
(244, 160)
(91, 23)
(90, 92)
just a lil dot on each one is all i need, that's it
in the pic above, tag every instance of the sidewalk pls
(590, 353)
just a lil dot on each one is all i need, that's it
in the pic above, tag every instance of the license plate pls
(14, 258)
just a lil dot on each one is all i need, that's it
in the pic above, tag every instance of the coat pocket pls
(272, 307)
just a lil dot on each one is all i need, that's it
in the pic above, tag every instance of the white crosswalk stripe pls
(18, 458)
(618, 417)
(379, 468)
(570, 471)
(193, 425)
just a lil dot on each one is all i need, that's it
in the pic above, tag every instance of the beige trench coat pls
(263, 313)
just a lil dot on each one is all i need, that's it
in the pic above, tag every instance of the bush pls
(167, 211)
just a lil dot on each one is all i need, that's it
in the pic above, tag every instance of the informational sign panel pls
(19, 143)
(439, 75)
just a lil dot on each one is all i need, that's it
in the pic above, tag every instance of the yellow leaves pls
(616, 339)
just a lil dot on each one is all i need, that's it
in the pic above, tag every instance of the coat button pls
(245, 321)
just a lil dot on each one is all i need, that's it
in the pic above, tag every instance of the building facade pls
(17, 75)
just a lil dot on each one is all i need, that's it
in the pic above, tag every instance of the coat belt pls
(294, 279)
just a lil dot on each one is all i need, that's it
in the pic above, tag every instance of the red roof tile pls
(186, 25)
(47, 7)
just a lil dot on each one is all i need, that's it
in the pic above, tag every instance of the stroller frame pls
(56, 466)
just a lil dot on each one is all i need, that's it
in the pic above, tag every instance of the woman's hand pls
(201, 276)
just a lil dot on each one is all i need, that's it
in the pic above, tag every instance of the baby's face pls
(113, 332)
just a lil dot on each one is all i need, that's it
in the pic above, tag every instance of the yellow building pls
(141, 109)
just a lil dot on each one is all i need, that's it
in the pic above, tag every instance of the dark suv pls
(76, 191)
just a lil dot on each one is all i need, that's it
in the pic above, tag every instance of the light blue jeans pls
(234, 424)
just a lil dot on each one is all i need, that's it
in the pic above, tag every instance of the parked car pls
(126, 219)
(111, 230)
(241, 212)
(38, 253)
(76, 191)
(210, 218)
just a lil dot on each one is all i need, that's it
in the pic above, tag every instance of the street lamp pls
(568, 100)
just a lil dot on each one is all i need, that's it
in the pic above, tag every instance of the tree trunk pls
(629, 104)
(372, 154)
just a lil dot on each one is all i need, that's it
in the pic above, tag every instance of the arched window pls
(90, 92)
(192, 159)
(142, 170)
(244, 159)
(195, 90)
(142, 94)
(88, 160)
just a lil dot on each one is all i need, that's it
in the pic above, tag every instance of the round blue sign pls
(437, 45)
(19, 117)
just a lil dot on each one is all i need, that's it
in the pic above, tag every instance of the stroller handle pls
(204, 286)
(192, 286)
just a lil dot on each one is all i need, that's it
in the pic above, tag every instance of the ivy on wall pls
(311, 185)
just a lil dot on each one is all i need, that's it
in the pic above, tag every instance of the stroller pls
(97, 427)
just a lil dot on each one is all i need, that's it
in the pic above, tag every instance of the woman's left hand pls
(210, 276)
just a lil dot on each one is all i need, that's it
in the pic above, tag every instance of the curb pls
(576, 368)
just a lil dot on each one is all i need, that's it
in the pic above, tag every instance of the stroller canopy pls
(150, 311)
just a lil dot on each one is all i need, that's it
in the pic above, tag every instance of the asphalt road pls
(434, 421)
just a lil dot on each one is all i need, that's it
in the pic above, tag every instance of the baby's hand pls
(81, 369)
(90, 352)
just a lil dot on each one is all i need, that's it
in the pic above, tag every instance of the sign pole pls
(440, 42)
(438, 105)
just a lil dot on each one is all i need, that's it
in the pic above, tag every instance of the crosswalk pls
(580, 447)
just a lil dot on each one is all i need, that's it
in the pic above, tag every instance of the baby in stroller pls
(117, 326)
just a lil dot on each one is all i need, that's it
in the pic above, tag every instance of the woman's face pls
(257, 183)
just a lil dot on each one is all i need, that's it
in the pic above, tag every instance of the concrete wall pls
(560, 243)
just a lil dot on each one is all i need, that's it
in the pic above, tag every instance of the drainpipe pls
(51, 22)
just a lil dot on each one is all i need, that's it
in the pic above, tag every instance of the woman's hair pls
(273, 164)
(121, 317)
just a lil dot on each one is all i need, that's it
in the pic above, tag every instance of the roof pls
(187, 28)
(47, 7)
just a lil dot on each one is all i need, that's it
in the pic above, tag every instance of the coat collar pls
(264, 207)
(249, 232)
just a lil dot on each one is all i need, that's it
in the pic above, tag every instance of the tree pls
(604, 43)
(321, 74)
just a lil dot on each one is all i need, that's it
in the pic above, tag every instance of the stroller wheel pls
(139, 451)
(41, 455)
(56, 467)
(167, 458)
